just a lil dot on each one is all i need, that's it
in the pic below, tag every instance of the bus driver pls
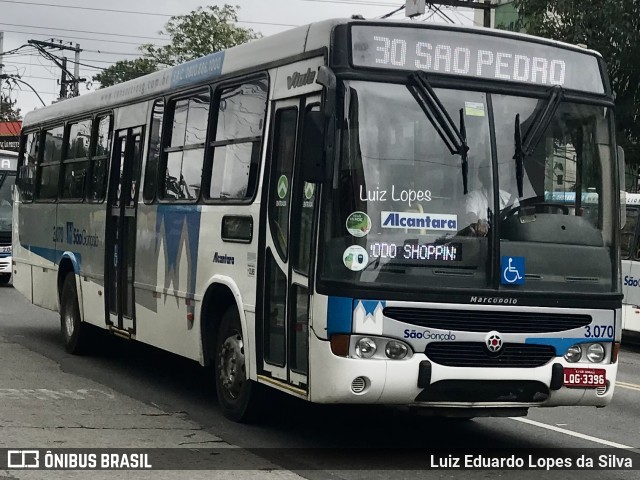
(477, 201)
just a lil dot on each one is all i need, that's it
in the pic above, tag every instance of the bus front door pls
(288, 234)
(121, 228)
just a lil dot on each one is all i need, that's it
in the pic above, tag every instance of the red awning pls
(10, 129)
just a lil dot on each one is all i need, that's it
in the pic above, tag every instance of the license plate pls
(5, 249)
(585, 377)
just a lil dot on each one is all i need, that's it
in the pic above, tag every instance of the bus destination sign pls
(474, 55)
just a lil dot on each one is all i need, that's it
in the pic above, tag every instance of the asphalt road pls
(381, 434)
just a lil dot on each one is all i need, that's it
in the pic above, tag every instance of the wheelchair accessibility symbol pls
(512, 270)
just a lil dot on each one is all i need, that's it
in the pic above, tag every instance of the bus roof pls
(263, 51)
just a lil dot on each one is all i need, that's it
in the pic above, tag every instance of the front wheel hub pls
(232, 370)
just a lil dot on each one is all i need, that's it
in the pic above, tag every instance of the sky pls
(106, 36)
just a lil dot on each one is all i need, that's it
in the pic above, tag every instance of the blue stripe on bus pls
(53, 255)
(339, 314)
(562, 344)
(171, 223)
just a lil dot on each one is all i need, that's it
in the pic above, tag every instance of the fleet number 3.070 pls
(598, 331)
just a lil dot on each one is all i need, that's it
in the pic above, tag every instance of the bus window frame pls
(65, 161)
(169, 111)
(97, 117)
(634, 249)
(208, 165)
(22, 155)
(155, 198)
(40, 161)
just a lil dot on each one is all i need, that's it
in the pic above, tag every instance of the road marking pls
(48, 394)
(630, 386)
(575, 434)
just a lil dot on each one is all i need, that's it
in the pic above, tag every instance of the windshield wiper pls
(454, 139)
(537, 128)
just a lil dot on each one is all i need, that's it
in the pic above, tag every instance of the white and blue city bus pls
(630, 252)
(349, 212)
(8, 165)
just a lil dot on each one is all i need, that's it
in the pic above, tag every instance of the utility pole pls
(76, 72)
(63, 79)
(1, 50)
(74, 82)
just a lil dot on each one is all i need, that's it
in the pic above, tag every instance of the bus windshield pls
(6, 201)
(398, 215)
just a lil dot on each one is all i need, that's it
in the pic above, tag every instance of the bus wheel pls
(4, 278)
(75, 333)
(237, 395)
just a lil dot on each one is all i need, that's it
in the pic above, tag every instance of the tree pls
(613, 29)
(124, 70)
(199, 33)
(8, 110)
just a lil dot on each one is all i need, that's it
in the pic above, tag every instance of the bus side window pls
(49, 167)
(76, 161)
(184, 148)
(153, 156)
(27, 172)
(239, 130)
(628, 243)
(99, 163)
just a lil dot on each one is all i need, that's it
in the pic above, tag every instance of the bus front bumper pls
(5, 265)
(405, 382)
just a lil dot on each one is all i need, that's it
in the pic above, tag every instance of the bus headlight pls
(396, 350)
(574, 353)
(366, 347)
(595, 353)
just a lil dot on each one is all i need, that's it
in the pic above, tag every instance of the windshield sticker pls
(427, 221)
(358, 224)
(513, 270)
(309, 191)
(355, 258)
(283, 186)
(407, 195)
(282, 189)
(474, 109)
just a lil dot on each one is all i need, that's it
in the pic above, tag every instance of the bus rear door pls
(121, 228)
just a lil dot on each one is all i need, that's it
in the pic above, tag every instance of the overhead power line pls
(73, 37)
(56, 29)
(132, 12)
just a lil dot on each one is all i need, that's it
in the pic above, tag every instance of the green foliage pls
(8, 110)
(124, 70)
(199, 33)
(613, 29)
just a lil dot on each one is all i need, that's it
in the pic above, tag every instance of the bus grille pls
(475, 354)
(525, 391)
(487, 321)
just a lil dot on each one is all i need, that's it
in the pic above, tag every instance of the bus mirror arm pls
(327, 79)
(317, 146)
(519, 156)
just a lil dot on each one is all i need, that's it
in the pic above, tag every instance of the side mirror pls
(318, 135)
(327, 79)
(622, 173)
(314, 156)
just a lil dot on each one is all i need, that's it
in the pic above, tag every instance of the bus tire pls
(75, 333)
(4, 278)
(238, 396)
